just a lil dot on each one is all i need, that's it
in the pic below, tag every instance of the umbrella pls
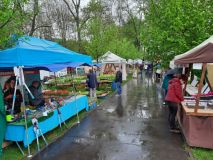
(173, 71)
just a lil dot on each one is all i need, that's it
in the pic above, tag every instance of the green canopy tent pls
(2, 120)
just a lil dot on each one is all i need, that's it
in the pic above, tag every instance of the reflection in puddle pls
(143, 114)
(110, 110)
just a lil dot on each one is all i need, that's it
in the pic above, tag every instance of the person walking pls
(141, 70)
(173, 98)
(118, 81)
(92, 83)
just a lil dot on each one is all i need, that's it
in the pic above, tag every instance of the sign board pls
(197, 66)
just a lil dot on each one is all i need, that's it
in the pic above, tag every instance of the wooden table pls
(197, 128)
(200, 112)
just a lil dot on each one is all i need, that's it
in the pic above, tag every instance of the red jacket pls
(174, 93)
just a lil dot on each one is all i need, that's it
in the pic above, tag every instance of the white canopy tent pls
(138, 61)
(111, 58)
(130, 62)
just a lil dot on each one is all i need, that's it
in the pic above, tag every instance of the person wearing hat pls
(8, 96)
(173, 98)
(38, 99)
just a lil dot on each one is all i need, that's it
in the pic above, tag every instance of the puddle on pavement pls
(110, 110)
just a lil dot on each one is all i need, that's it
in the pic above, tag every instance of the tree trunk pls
(78, 34)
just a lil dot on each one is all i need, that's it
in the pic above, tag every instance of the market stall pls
(30, 53)
(196, 113)
(110, 61)
(64, 85)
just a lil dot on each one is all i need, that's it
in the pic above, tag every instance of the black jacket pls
(9, 101)
(118, 77)
(92, 80)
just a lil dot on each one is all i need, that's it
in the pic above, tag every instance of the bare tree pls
(74, 7)
(36, 18)
(132, 11)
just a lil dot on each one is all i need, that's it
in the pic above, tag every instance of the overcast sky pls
(84, 2)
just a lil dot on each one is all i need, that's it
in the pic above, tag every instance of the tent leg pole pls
(78, 121)
(25, 115)
(14, 96)
(76, 106)
(200, 87)
(20, 148)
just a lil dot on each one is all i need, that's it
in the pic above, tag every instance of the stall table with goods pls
(64, 85)
(48, 118)
(195, 115)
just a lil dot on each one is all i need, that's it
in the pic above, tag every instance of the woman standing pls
(174, 97)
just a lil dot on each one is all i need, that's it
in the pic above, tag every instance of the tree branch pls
(42, 26)
(69, 8)
(8, 20)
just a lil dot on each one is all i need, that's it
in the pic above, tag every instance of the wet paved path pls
(131, 127)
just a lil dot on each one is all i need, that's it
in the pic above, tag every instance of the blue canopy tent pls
(31, 52)
(50, 67)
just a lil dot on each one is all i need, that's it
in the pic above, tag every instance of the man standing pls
(118, 81)
(92, 83)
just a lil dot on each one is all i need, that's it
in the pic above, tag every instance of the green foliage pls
(107, 37)
(104, 35)
(201, 154)
(12, 18)
(173, 27)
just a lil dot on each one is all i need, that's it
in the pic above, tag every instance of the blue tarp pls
(17, 133)
(31, 51)
(97, 64)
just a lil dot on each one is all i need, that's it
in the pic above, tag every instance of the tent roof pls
(110, 57)
(130, 61)
(203, 53)
(31, 51)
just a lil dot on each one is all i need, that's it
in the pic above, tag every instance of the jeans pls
(92, 92)
(119, 89)
(173, 108)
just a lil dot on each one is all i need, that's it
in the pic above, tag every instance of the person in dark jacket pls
(141, 69)
(165, 84)
(38, 96)
(173, 98)
(118, 81)
(92, 83)
(8, 97)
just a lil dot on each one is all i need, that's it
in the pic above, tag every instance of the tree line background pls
(150, 29)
